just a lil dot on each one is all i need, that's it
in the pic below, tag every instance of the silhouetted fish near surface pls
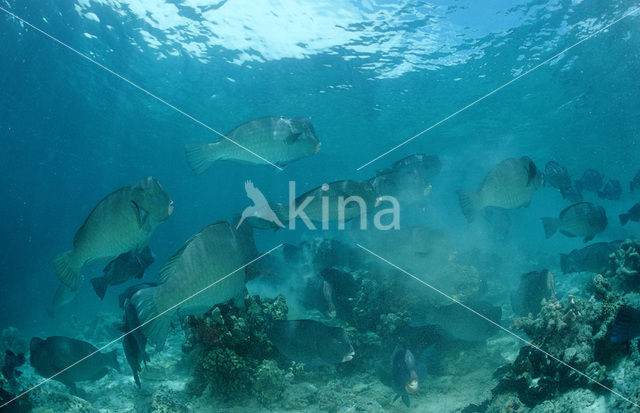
(626, 325)
(635, 182)
(592, 258)
(612, 190)
(310, 342)
(583, 219)
(533, 287)
(210, 264)
(51, 356)
(557, 176)
(121, 222)
(509, 185)
(632, 215)
(11, 362)
(591, 180)
(129, 265)
(456, 322)
(404, 375)
(277, 139)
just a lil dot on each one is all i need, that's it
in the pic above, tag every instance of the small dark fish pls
(612, 190)
(635, 182)
(583, 219)
(129, 265)
(404, 376)
(134, 344)
(572, 194)
(533, 287)
(310, 342)
(591, 180)
(129, 292)
(632, 215)
(53, 355)
(626, 325)
(557, 176)
(456, 322)
(11, 362)
(592, 258)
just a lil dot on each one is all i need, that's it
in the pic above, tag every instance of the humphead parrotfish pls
(310, 342)
(57, 353)
(123, 221)
(206, 271)
(509, 185)
(277, 139)
(583, 219)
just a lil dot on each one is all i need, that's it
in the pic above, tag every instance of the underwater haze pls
(506, 278)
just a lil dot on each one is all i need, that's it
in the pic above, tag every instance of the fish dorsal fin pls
(167, 268)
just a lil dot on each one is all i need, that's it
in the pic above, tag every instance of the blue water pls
(369, 74)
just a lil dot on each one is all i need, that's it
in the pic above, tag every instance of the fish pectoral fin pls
(567, 233)
(292, 137)
(141, 214)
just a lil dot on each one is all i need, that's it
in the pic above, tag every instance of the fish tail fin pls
(564, 263)
(155, 326)
(67, 269)
(200, 156)
(136, 378)
(100, 285)
(550, 226)
(625, 325)
(624, 218)
(469, 203)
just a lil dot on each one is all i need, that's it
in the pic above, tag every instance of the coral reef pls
(624, 265)
(576, 332)
(230, 350)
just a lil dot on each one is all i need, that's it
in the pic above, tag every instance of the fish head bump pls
(306, 140)
(149, 195)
